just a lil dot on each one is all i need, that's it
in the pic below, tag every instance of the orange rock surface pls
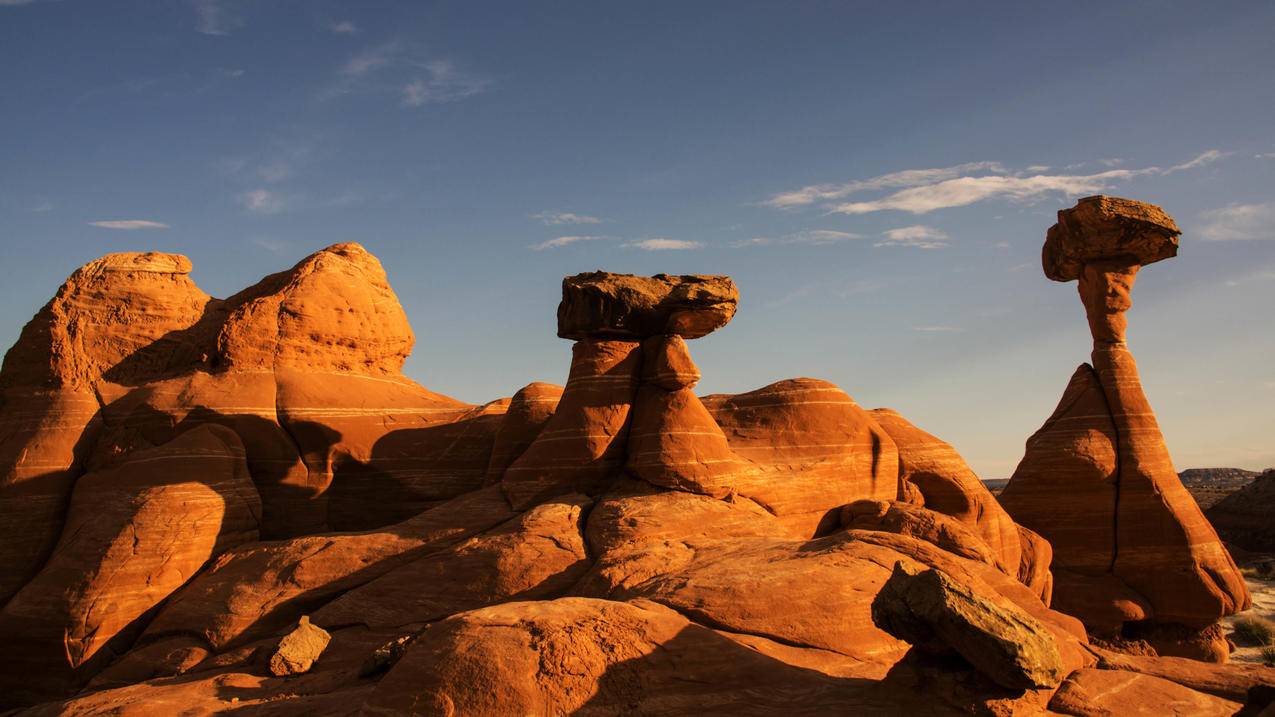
(1129, 542)
(241, 505)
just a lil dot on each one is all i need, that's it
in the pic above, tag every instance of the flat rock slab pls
(602, 305)
(1104, 227)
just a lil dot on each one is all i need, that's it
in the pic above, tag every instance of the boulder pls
(134, 534)
(1006, 644)
(1103, 227)
(602, 305)
(299, 649)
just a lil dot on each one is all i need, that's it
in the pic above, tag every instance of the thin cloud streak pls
(664, 244)
(129, 224)
(920, 191)
(968, 190)
(812, 237)
(917, 235)
(906, 178)
(558, 242)
(555, 218)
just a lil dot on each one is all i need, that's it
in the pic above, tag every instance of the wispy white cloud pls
(1111, 161)
(557, 242)
(441, 83)
(920, 191)
(938, 329)
(917, 235)
(1038, 168)
(1239, 222)
(1265, 155)
(369, 60)
(393, 68)
(664, 244)
(261, 201)
(345, 27)
(907, 178)
(129, 224)
(211, 18)
(963, 191)
(42, 207)
(1208, 157)
(815, 237)
(554, 218)
(16, 2)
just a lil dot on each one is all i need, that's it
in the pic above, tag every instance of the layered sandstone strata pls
(1132, 550)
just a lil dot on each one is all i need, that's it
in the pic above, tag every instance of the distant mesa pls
(242, 504)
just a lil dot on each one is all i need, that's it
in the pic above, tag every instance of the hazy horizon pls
(878, 181)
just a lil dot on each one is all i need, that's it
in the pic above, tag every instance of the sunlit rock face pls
(1133, 553)
(241, 504)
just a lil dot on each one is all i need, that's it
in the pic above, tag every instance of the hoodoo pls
(242, 506)
(1134, 557)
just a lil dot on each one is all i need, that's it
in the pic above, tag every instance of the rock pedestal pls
(1130, 544)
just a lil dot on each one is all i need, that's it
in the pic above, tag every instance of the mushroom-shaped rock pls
(1102, 227)
(1097, 481)
(602, 305)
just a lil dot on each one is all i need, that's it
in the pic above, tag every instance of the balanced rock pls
(1097, 481)
(602, 305)
(299, 649)
(1008, 645)
(1102, 227)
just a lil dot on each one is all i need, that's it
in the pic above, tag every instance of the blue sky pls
(877, 179)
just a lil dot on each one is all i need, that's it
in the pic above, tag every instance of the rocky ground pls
(241, 506)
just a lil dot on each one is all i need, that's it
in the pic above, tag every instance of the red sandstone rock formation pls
(619, 545)
(1130, 544)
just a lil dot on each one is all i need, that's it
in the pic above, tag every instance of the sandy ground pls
(1263, 606)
